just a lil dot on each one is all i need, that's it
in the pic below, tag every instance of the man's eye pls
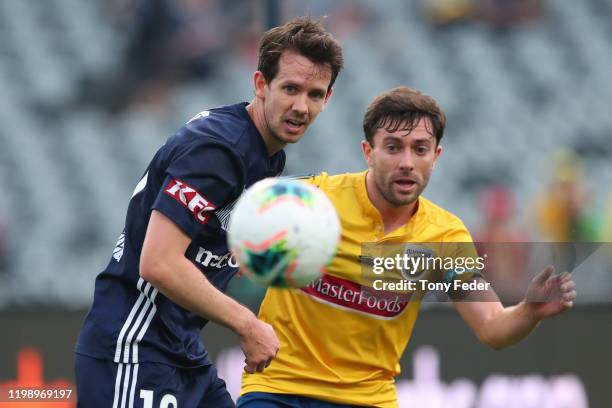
(392, 148)
(317, 96)
(422, 150)
(291, 89)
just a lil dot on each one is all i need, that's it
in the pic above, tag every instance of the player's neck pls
(255, 111)
(392, 216)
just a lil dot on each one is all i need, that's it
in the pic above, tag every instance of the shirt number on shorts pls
(167, 401)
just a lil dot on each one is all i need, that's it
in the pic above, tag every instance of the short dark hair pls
(403, 106)
(305, 36)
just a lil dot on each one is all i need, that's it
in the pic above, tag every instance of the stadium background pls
(90, 89)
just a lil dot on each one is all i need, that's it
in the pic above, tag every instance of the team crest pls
(416, 261)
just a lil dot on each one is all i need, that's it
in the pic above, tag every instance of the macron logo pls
(202, 114)
(199, 206)
(118, 251)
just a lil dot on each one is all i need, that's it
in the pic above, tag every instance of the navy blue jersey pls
(195, 180)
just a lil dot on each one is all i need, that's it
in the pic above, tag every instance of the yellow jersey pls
(341, 341)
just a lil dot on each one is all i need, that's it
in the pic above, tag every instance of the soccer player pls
(140, 343)
(341, 340)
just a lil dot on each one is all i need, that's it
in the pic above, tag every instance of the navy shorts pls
(269, 400)
(105, 384)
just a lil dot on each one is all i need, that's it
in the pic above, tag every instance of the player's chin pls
(293, 137)
(403, 198)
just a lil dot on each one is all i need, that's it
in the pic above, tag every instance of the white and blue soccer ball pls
(284, 232)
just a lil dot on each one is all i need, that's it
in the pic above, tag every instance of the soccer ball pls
(283, 232)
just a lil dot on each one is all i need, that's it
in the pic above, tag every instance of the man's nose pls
(299, 104)
(407, 161)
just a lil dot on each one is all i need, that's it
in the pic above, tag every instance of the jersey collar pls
(277, 159)
(372, 212)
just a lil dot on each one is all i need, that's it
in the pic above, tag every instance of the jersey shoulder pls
(232, 127)
(450, 224)
(222, 128)
(331, 183)
(227, 125)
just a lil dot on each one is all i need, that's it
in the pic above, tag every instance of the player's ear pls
(366, 147)
(330, 92)
(437, 154)
(259, 84)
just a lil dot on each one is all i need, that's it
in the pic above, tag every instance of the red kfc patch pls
(199, 205)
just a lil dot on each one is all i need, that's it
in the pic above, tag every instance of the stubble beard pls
(386, 190)
(274, 135)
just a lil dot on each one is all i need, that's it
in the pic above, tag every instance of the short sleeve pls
(467, 265)
(199, 179)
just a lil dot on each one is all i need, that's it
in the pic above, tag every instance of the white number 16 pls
(167, 400)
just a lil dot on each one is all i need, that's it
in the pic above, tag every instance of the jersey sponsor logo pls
(208, 259)
(346, 294)
(196, 203)
(118, 251)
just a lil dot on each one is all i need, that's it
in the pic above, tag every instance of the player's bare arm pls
(499, 327)
(164, 265)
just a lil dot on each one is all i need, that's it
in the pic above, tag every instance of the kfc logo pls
(199, 206)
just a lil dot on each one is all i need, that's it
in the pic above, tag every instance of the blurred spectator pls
(245, 23)
(508, 13)
(561, 210)
(442, 12)
(504, 245)
(169, 41)
(345, 16)
(498, 13)
(497, 204)
(122, 12)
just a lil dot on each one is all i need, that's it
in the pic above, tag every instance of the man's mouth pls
(405, 184)
(295, 125)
